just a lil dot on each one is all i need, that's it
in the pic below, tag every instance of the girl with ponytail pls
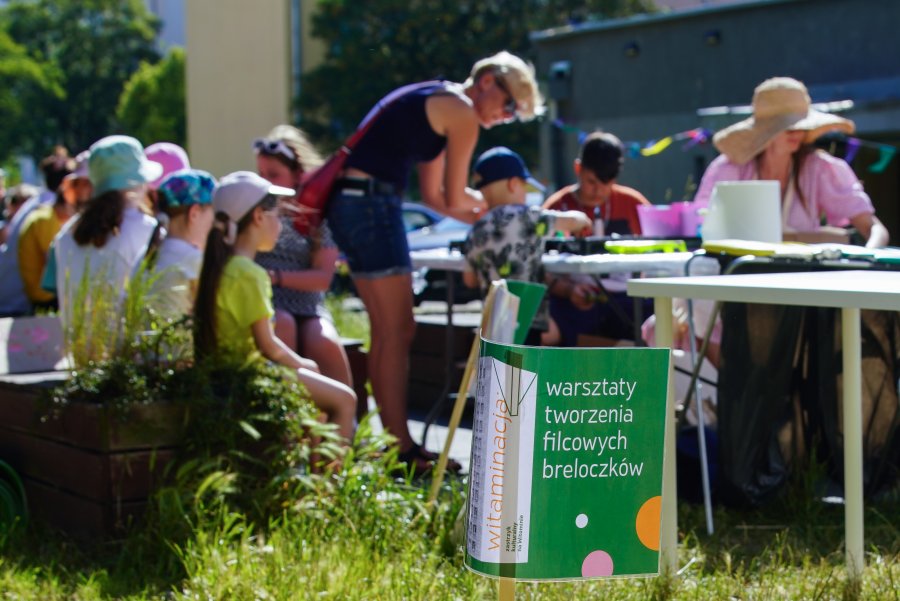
(233, 312)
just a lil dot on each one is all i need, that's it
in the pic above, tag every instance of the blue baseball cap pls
(119, 163)
(186, 187)
(501, 163)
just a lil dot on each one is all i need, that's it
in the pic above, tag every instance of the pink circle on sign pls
(596, 564)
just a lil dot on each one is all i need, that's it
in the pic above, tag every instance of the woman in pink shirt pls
(776, 144)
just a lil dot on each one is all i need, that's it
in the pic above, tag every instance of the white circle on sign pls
(581, 521)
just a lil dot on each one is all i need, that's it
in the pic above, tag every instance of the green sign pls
(566, 470)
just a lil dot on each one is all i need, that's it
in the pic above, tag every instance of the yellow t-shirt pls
(38, 231)
(244, 297)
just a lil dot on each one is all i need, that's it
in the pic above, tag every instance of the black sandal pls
(423, 461)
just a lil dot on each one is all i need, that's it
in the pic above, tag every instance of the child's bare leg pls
(286, 328)
(552, 337)
(334, 398)
(320, 342)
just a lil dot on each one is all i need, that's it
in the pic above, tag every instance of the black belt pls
(367, 185)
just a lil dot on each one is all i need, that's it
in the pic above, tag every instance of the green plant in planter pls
(121, 350)
(105, 323)
(254, 447)
(252, 441)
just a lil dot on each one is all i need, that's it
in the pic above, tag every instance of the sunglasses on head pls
(265, 146)
(511, 106)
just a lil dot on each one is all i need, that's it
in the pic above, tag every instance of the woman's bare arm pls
(871, 228)
(571, 221)
(315, 279)
(442, 181)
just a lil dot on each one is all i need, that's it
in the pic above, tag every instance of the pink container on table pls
(660, 220)
(692, 215)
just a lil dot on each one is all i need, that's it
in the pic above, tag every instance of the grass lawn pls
(360, 533)
(381, 544)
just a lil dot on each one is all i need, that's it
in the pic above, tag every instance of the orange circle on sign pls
(647, 523)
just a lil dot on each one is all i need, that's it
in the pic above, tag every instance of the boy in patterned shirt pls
(508, 241)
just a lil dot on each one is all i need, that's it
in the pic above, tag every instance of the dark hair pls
(101, 217)
(18, 195)
(176, 210)
(55, 168)
(603, 154)
(799, 159)
(215, 256)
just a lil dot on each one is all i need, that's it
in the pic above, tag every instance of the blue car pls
(429, 284)
(417, 216)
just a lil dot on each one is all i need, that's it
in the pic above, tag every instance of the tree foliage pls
(94, 46)
(393, 42)
(23, 79)
(152, 106)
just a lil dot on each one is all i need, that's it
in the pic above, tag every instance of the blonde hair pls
(518, 77)
(498, 193)
(307, 157)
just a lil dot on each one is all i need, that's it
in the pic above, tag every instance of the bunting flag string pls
(656, 146)
(887, 153)
(701, 135)
(853, 146)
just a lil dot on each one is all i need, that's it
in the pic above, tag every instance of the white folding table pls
(650, 264)
(849, 291)
(654, 264)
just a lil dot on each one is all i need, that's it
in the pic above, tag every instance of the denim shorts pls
(368, 228)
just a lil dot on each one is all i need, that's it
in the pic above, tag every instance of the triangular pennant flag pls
(656, 147)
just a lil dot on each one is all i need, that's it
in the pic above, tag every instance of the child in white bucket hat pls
(233, 313)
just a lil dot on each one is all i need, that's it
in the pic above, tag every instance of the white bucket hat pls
(779, 104)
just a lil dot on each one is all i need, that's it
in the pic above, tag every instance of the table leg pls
(853, 459)
(637, 311)
(618, 310)
(662, 308)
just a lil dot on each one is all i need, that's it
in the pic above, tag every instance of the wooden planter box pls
(88, 470)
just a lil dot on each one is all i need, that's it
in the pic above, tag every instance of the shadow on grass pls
(48, 564)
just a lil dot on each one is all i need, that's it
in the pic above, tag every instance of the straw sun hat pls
(779, 104)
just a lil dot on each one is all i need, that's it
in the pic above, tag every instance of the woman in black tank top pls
(435, 128)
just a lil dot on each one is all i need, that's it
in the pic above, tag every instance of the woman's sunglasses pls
(265, 146)
(511, 106)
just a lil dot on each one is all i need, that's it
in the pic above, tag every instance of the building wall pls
(238, 78)
(840, 48)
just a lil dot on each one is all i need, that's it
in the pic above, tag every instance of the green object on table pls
(635, 247)
(530, 296)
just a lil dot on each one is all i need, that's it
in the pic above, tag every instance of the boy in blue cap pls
(508, 241)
